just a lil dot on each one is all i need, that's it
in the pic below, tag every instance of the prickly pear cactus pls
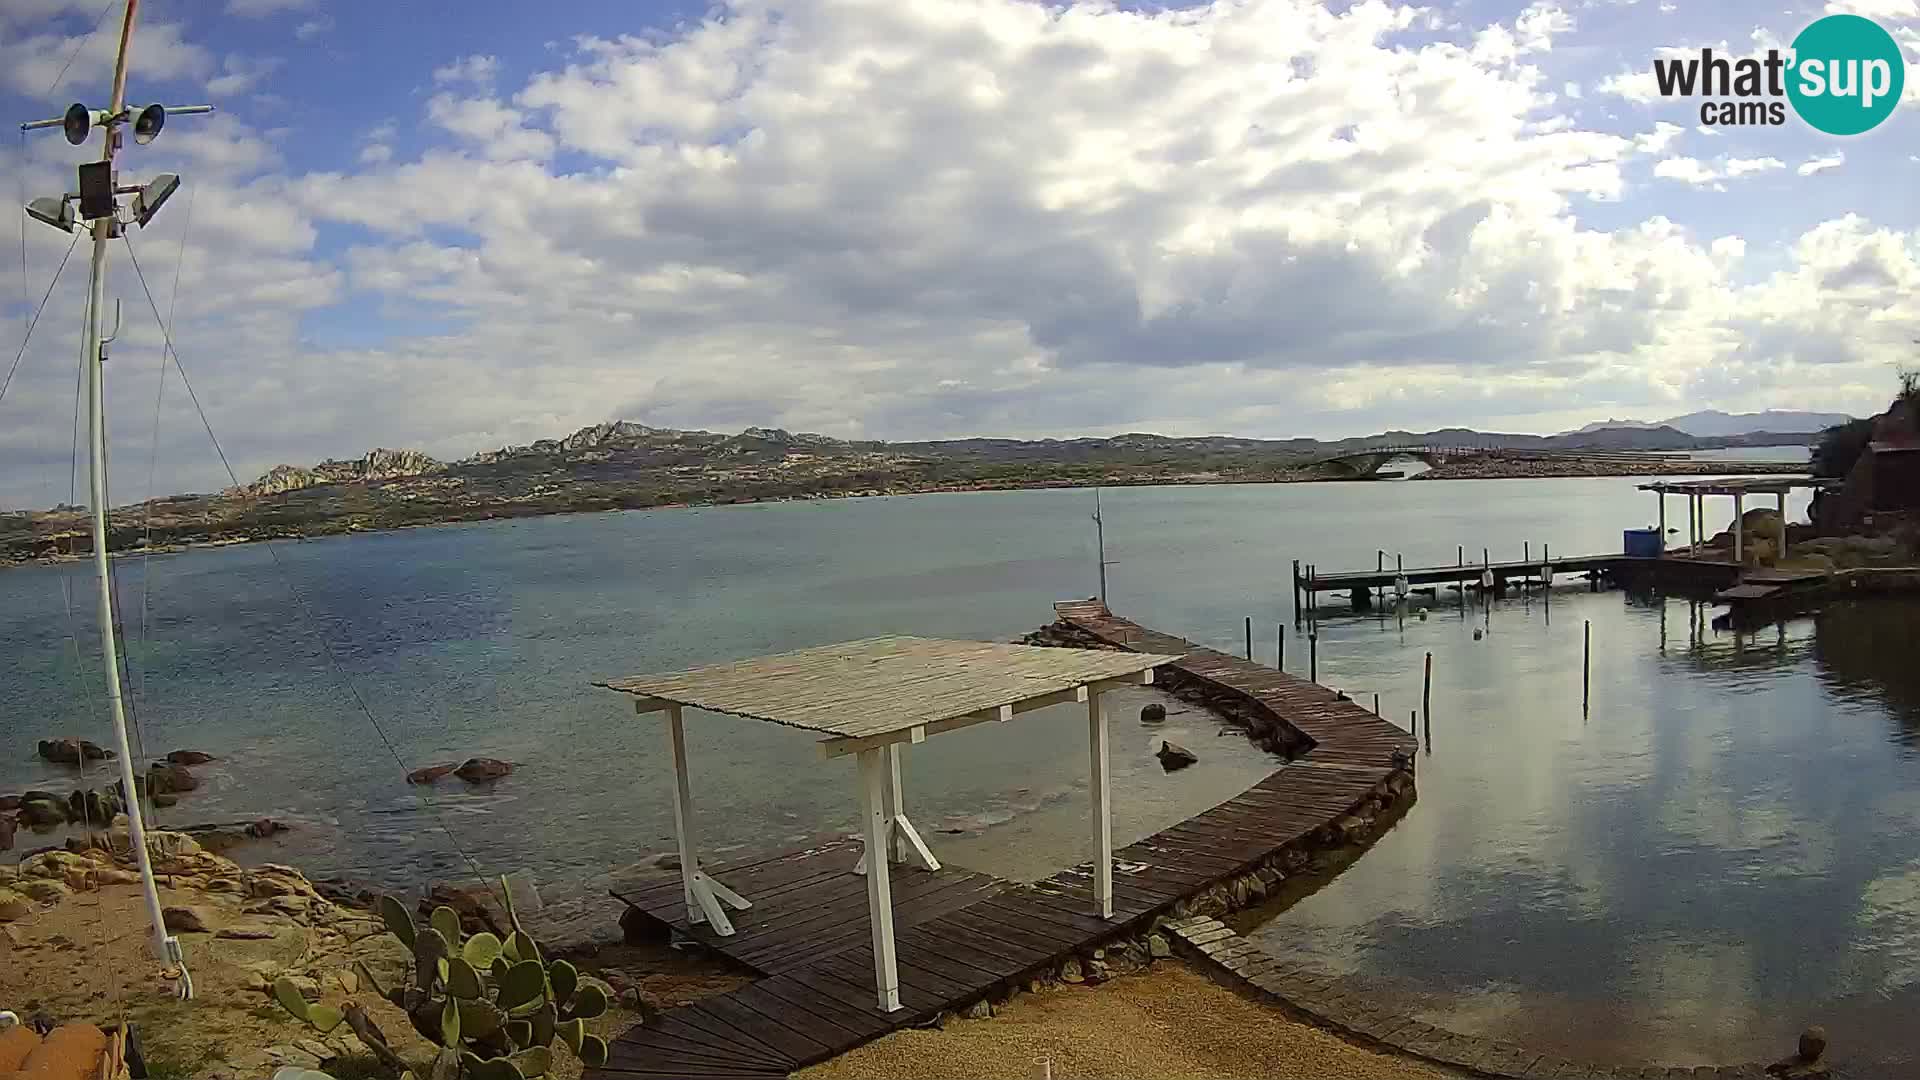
(494, 1007)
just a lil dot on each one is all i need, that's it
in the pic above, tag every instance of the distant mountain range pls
(1713, 424)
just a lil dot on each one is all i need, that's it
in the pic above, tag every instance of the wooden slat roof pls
(882, 685)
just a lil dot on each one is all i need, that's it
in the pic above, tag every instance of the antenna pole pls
(1100, 537)
(103, 231)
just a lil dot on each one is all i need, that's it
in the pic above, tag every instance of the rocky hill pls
(622, 465)
(378, 464)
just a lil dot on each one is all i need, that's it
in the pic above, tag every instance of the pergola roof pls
(1737, 485)
(887, 685)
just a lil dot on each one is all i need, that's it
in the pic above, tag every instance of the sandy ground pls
(1168, 1022)
(85, 959)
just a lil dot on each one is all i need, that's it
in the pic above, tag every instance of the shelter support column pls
(703, 894)
(1101, 810)
(1663, 520)
(904, 844)
(873, 785)
(1738, 508)
(1780, 501)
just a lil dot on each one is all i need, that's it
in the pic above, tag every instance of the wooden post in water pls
(1586, 666)
(1376, 704)
(1526, 551)
(1426, 699)
(1313, 655)
(1462, 554)
(1296, 590)
(1413, 727)
(1280, 648)
(1249, 639)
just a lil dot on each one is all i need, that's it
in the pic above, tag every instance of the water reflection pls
(1715, 854)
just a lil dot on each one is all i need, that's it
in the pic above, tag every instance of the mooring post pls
(1313, 655)
(1280, 648)
(1426, 700)
(1376, 704)
(1586, 666)
(1296, 590)
(1461, 554)
(1413, 727)
(1526, 551)
(1249, 639)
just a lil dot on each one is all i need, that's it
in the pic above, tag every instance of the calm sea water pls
(1720, 852)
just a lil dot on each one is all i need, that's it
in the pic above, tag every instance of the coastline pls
(1475, 469)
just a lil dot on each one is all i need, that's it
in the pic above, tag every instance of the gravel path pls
(1170, 1022)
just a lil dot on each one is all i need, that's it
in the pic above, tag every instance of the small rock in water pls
(481, 769)
(189, 757)
(431, 773)
(262, 828)
(1153, 713)
(671, 860)
(1174, 757)
(1476, 633)
(168, 779)
(71, 751)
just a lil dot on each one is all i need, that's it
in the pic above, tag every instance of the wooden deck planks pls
(959, 936)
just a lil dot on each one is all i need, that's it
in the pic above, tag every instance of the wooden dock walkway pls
(961, 936)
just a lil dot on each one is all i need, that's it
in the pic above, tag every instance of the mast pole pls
(1100, 537)
(103, 232)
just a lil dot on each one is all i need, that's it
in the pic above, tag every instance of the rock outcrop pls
(479, 770)
(1173, 756)
(378, 464)
(72, 751)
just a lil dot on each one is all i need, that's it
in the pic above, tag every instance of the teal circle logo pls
(1847, 74)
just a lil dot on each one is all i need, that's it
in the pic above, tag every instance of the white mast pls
(99, 204)
(1100, 540)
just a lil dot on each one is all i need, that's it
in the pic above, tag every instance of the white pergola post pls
(873, 784)
(1738, 500)
(1780, 500)
(904, 844)
(704, 895)
(1102, 817)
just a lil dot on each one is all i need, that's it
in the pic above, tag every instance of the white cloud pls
(1823, 163)
(239, 74)
(313, 28)
(258, 9)
(941, 217)
(1875, 9)
(477, 69)
(499, 132)
(29, 62)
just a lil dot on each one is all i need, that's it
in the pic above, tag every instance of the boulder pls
(1153, 713)
(1174, 757)
(1809, 1058)
(14, 906)
(40, 811)
(183, 920)
(261, 828)
(9, 802)
(43, 889)
(189, 757)
(96, 807)
(1157, 946)
(474, 905)
(165, 778)
(481, 769)
(430, 774)
(71, 751)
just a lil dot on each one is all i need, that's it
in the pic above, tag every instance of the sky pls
(454, 227)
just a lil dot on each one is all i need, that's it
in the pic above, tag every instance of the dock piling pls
(1280, 648)
(1249, 639)
(1313, 655)
(1376, 704)
(1426, 699)
(1296, 590)
(1586, 666)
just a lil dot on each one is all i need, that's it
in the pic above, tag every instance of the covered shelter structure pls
(871, 699)
(1738, 488)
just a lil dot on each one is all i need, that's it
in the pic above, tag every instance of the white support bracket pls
(903, 841)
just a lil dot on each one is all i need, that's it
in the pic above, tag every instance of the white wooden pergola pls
(872, 698)
(1696, 492)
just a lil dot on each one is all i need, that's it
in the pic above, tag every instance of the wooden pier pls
(961, 937)
(1671, 569)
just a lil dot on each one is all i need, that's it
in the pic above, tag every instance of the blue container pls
(1641, 543)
